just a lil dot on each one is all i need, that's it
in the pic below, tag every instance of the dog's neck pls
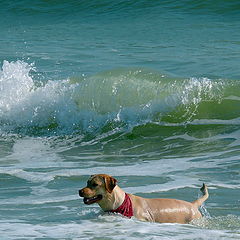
(113, 200)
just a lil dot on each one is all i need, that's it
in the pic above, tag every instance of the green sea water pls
(146, 91)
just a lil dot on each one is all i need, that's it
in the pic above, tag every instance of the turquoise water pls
(146, 91)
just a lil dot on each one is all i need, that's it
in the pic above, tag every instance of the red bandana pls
(126, 208)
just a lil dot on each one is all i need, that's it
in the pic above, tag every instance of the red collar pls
(126, 208)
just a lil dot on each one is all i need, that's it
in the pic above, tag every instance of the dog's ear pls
(110, 183)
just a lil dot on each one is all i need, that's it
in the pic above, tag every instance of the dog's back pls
(164, 210)
(168, 210)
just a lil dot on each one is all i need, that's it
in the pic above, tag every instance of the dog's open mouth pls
(92, 199)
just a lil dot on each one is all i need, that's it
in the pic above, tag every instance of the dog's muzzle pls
(90, 200)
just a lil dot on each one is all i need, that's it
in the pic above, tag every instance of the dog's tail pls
(204, 197)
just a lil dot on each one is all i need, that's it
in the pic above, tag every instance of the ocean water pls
(146, 91)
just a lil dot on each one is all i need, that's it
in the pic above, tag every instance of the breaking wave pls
(115, 99)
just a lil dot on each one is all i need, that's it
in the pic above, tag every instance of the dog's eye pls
(94, 184)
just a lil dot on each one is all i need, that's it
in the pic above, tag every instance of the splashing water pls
(113, 99)
(24, 105)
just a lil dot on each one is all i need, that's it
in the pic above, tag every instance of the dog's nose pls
(80, 193)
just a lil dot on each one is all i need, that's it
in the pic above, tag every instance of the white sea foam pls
(22, 104)
(132, 97)
(111, 227)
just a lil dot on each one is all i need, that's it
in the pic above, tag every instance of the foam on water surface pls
(117, 98)
(150, 131)
(105, 226)
(146, 91)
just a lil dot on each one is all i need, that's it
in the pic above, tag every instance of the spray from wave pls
(24, 105)
(120, 98)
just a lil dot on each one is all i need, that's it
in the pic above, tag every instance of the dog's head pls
(98, 186)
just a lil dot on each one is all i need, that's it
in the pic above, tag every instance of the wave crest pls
(116, 98)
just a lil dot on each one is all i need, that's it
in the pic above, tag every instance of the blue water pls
(146, 91)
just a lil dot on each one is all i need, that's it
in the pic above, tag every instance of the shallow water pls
(145, 91)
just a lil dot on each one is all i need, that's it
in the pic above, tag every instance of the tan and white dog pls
(103, 189)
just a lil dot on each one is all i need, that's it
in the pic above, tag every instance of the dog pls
(103, 189)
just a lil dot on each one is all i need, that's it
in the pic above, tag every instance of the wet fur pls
(103, 189)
